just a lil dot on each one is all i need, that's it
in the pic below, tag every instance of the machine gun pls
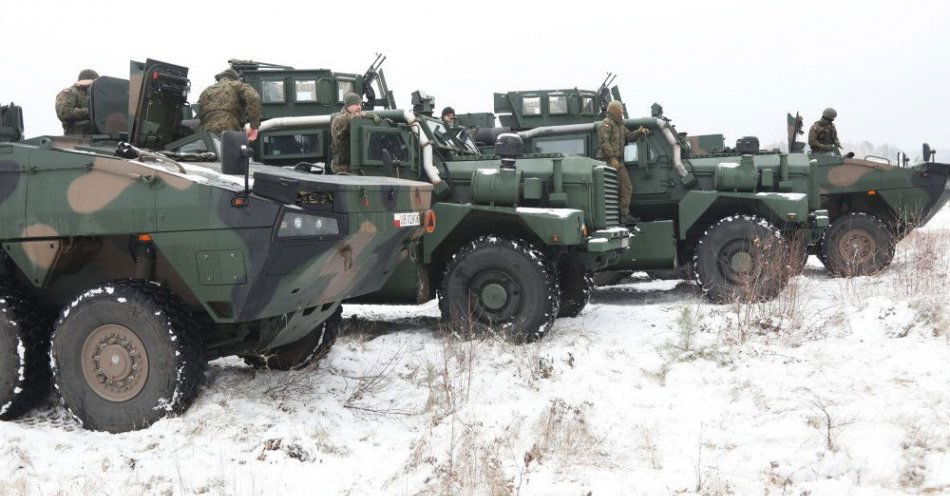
(603, 92)
(373, 73)
(243, 66)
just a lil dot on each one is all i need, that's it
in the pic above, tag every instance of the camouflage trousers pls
(626, 186)
(341, 168)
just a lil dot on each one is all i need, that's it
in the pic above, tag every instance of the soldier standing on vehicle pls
(228, 104)
(340, 130)
(823, 137)
(448, 117)
(612, 136)
(72, 104)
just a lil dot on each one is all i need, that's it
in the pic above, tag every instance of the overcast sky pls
(728, 66)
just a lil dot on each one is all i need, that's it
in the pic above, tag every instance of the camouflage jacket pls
(340, 137)
(823, 137)
(72, 108)
(227, 105)
(612, 136)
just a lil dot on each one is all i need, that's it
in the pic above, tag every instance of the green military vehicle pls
(741, 223)
(155, 266)
(871, 202)
(518, 234)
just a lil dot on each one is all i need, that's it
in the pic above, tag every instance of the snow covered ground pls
(839, 387)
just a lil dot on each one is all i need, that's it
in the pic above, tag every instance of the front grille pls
(611, 198)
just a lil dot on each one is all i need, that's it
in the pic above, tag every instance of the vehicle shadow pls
(638, 292)
(371, 329)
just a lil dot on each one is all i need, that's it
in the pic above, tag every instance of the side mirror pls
(928, 152)
(234, 153)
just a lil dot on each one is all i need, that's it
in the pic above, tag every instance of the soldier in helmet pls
(72, 104)
(228, 104)
(612, 136)
(823, 137)
(340, 130)
(448, 117)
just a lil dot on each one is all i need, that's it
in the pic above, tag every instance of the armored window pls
(272, 91)
(587, 105)
(343, 87)
(567, 146)
(306, 90)
(631, 153)
(557, 104)
(388, 141)
(291, 145)
(531, 105)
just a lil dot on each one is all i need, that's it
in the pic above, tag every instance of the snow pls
(837, 387)
(560, 213)
(784, 196)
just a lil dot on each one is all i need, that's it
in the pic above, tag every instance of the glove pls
(389, 121)
(615, 163)
(375, 118)
(643, 131)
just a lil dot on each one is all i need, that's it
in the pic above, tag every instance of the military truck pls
(872, 202)
(518, 235)
(155, 266)
(740, 224)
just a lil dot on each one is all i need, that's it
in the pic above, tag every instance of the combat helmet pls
(228, 73)
(351, 99)
(829, 114)
(87, 74)
(615, 108)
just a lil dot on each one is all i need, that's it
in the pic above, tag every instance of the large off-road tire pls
(24, 354)
(857, 244)
(126, 354)
(576, 283)
(500, 284)
(741, 258)
(302, 353)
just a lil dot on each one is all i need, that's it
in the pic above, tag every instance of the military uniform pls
(72, 105)
(228, 104)
(823, 137)
(340, 133)
(612, 136)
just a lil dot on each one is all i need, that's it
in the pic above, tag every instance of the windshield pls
(457, 139)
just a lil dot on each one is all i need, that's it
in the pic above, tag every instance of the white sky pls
(734, 67)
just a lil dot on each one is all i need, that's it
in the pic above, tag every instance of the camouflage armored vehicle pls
(740, 224)
(155, 266)
(517, 237)
(871, 202)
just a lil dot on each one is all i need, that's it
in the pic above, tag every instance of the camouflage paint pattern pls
(71, 219)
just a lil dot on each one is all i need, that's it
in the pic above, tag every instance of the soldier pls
(72, 104)
(823, 137)
(612, 136)
(228, 104)
(448, 117)
(340, 130)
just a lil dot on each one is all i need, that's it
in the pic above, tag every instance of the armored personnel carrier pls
(124, 271)
(518, 234)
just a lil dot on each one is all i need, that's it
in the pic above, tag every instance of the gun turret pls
(795, 125)
(369, 76)
(603, 92)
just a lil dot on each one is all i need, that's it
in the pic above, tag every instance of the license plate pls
(407, 219)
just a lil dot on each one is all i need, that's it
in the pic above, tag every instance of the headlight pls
(297, 225)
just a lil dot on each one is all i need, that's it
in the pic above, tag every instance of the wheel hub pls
(495, 296)
(741, 262)
(114, 362)
(857, 246)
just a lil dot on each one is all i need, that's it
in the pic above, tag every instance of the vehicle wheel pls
(610, 277)
(300, 354)
(126, 354)
(857, 244)
(576, 283)
(500, 283)
(24, 354)
(741, 258)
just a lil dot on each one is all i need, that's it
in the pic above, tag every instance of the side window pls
(272, 91)
(531, 105)
(343, 87)
(291, 144)
(587, 105)
(305, 90)
(390, 141)
(631, 153)
(567, 146)
(557, 104)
